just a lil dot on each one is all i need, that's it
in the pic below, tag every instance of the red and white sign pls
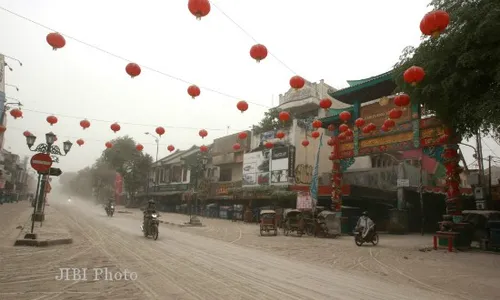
(41, 162)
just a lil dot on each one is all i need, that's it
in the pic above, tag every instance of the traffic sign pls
(41, 162)
(52, 172)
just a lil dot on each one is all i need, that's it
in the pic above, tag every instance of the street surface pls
(228, 260)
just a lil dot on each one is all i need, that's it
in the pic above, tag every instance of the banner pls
(315, 175)
(304, 201)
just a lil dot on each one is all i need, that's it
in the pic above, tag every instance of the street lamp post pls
(5, 108)
(157, 141)
(49, 148)
(201, 163)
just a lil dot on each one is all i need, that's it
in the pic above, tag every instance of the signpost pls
(41, 162)
(52, 172)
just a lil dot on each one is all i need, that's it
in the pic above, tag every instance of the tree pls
(123, 158)
(270, 122)
(462, 66)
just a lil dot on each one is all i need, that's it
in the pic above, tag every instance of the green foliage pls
(99, 180)
(462, 82)
(270, 122)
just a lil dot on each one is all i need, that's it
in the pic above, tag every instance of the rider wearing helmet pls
(148, 211)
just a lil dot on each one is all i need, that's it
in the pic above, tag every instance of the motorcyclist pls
(148, 211)
(365, 225)
(111, 202)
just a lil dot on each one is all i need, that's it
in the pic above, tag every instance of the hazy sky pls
(317, 39)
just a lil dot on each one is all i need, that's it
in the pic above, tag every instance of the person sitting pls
(148, 212)
(365, 225)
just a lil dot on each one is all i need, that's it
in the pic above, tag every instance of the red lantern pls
(84, 124)
(269, 145)
(315, 134)
(305, 143)
(109, 145)
(258, 52)
(345, 116)
(115, 127)
(434, 22)
(331, 157)
(199, 8)
(395, 113)
(133, 70)
(372, 127)
(280, 134)
(52, 120)
(384, 128)
(170, 148)
(80, 142)
(193, 91)
(389, 123)
(317, 124)
(325, 103)
(343, 127)
(2, 129)
(414, 75)
(55, 40)
(360, 122)
(203, 148)
(349, 133)
(160, 131)
(284, 116)
(331, 142)
(341, 136)
(139, 147)
(16, 113)
(331, 127)
(203, 133)
(26, 133)
(404, 100)
(236, 147)
(242, 106)
(297, 82)
(366, 129)
(242, 135)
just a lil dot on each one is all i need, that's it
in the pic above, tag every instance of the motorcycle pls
(152, 230)
(110, 210)
(370, 238)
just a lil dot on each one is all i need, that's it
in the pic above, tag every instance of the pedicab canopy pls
(267, 212)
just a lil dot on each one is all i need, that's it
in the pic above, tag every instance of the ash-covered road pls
(179, 265)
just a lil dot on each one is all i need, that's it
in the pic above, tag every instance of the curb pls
(43, 243)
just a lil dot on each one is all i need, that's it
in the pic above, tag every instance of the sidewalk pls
(48, 233)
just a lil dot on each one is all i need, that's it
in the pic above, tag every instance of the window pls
(226, 175)
(184, 174)
(176, 174)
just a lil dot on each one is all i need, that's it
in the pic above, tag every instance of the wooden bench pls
(450, 236)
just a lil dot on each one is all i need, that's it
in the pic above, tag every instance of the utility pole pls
(489, 179)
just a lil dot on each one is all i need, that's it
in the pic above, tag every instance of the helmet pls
(151, 201)
(365, 213)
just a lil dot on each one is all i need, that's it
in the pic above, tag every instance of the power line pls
(488, 146)
(250, 36)
(124, 123)
(90, 139)
(127, 60)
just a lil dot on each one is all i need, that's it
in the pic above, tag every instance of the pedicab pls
(268, 222)
(293, 222)
(328, 224)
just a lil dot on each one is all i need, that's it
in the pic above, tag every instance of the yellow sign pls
(386, 140)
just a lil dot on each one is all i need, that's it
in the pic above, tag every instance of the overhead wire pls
(89, 139)
(250, 36)
(125, 123)
(95, 47)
